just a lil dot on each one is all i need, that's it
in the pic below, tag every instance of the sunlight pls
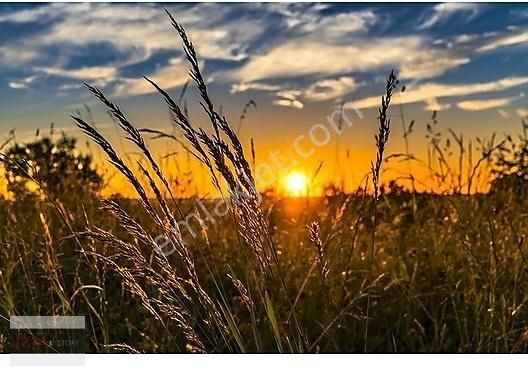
(296, 184)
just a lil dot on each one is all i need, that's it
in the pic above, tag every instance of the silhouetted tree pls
(511, 165)
(54, 166)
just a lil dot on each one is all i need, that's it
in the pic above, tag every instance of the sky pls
(297, 61)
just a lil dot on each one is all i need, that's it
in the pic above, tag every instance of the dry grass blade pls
(381, 142)
(383, 131)
(118, 163)
(315, 238)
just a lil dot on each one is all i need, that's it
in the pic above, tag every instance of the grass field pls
(381, 269)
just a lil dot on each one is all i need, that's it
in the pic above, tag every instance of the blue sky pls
(298, 61)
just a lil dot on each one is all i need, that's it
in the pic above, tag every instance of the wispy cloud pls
(514, 38)
(294, 103)
(483, 104)
(413, 54)
(331, 88)
(11, 56)
(335, 26)
(432, 104)
(135, 32)
(258, 86)
(95, 74)
(23, 83)
(309, 18)
(442, 12)
(168, 77)
(320, 90)
(294, 53)
(425, 92)
(522, 112)
(289, 98)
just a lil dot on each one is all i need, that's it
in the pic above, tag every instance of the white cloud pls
(427, 65)
(289, 103)
(168, 77)
(134, 31)
(320, 90)
(441, 12)
(522, 112)
(30, 14)
(137, 31)
(94, 73)
(23, 83)
(289, 94)
(326, 47)
(516, 38)
(294, 13)
(17, 85)
(464, 38)
(483, 104)
(307, 18)
(67, 87)
(416, 57)
(258, 86)
(11, 56)
(335, 26)
(330, 88)
(425, 92)
(432, 104)
(289, 98)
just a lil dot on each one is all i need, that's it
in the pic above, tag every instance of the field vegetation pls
(386, 268)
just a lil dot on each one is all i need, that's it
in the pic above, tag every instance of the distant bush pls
(511, 165)
(48, 166)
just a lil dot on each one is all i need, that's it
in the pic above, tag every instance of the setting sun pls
(296, 183)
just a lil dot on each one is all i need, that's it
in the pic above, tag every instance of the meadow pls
(386, 268)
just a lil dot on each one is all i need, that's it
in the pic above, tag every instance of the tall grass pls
(382, 138)
(181, 291)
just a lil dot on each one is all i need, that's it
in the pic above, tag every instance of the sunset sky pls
(298, 62)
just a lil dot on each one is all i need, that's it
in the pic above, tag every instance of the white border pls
(44, 360)
(275, 365)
